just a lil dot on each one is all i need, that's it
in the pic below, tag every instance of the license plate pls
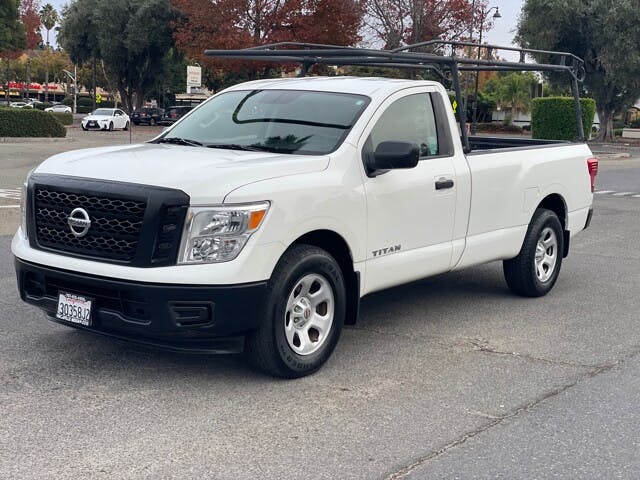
(74, 308)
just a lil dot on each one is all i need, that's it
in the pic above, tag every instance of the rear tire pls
(304, 315)
(152, 122)
(535, 270)
(126, 126)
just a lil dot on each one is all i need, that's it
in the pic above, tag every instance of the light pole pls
(474, 105)
(74, 78)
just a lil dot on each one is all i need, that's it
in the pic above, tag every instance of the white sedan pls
(106, 119)
(60, 108)
(20, 105)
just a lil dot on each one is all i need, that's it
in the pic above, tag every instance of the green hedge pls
(63, 118)
(554, 118)
(28, 122)
(499, 128)
(85, 104)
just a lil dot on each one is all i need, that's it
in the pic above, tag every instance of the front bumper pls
(178, 317)
(95, 126)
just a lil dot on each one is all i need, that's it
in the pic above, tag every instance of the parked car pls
(20, 105)
(60, 108)
(173, 114)
(106, 119)
(148, 115)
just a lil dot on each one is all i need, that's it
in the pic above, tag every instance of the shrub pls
(635, 123)
(63, 118)
(617, 132)
(554, 118)
(85, 104)
(499, 128)
(43, 105)
(28, 122)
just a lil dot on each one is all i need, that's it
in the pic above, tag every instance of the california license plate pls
(74, 308)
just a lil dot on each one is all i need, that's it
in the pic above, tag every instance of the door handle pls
(444, 183)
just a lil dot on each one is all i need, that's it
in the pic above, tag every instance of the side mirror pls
(392, 155)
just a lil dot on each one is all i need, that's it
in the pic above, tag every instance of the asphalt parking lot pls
(450, 377)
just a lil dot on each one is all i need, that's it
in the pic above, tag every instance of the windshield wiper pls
(235, 146)
(179, 141)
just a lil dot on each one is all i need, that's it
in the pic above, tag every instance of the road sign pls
(194, 76)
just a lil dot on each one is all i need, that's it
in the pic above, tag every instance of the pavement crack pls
(593, 372)
(485, 348)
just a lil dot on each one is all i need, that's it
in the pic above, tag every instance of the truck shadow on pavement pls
(428, 305)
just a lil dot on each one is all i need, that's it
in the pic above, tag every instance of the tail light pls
(592, 166)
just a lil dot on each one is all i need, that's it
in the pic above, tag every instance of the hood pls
(97, 117)
(207, 175)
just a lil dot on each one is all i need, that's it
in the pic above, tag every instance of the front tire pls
(305, 312)
(535, 270)
(111, 126)
(126, 126)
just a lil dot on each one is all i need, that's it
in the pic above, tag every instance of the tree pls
(512, 91)
(12, 35)
(133, 43)
(398, 22)
(604, 33)
(79, 36)
(244, 23)
(49, 17)
(31, 21)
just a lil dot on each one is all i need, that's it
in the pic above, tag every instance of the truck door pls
(410, 212)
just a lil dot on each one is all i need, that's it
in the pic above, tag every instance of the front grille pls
(116, 223)
(131, 224)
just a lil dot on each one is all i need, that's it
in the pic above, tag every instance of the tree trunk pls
(6, 86)
(606, 125)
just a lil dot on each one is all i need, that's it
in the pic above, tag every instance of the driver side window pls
(408, 119)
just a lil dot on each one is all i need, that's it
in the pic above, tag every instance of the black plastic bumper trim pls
(589, 217)
(181, 317)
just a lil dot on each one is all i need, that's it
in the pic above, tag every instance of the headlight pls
(218, 234)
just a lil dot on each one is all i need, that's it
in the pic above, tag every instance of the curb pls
(36, 139)
(612, 156)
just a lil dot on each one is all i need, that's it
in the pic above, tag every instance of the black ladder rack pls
(419, 56)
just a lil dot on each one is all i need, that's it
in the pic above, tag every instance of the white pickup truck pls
(261, 218)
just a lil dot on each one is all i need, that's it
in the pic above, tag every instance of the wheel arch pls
(557, 204)
(339, 249)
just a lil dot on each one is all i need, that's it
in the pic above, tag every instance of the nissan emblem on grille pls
(79, 222)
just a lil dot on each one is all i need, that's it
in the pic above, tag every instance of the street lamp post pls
(74, 78)
(474, 105)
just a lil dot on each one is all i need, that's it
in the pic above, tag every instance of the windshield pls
(283, 121)
(103, 111)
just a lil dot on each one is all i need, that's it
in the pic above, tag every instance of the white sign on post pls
(194, 76)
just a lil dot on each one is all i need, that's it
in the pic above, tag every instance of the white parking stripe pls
(622, 194)
(602, 192)
(9, 206)
(12, 193)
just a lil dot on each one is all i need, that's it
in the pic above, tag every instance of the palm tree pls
(49, 17)
(515, 91)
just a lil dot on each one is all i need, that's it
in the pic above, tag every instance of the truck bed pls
(480, 144)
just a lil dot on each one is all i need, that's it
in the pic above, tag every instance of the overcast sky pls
(502, 32)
